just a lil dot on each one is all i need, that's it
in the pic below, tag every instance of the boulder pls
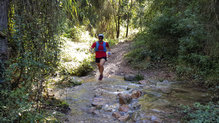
(136, 94)
(124, 98)
(124, 108)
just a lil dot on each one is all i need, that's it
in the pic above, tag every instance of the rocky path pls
(114, 100)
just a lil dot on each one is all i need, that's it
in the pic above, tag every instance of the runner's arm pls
(93, 46)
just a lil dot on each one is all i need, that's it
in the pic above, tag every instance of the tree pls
(118, 20)
(3, 37)
(128, 18)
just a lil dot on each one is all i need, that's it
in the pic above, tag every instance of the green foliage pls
(139, 77)
(199, 113)
(84, 68)
(112, 42)
(72, 33)
(34, 49)
(182, 32)
(56, 104)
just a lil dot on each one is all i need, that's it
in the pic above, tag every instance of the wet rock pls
(136, 105)
(152, 81)
(76, 80)
(156, 110)
(124, 98)
(136, 94)
(135, 116)
(110, 108)
(94, 110)
(124, 108)
(116, 115)
(124, 118)
(155, 119)
(130, 77)
(143, 82)
(98, 102)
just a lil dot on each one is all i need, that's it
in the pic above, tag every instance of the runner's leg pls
(102, 61)
(98, 65)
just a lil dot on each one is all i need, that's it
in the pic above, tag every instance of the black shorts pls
(98, 59)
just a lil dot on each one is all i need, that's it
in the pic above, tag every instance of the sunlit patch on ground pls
(74, 53)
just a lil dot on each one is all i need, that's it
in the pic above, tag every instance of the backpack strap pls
(104, 46)
(97, 46)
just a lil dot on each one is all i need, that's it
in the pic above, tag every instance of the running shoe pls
(101, 77)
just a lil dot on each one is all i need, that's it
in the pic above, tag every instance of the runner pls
(100, 50)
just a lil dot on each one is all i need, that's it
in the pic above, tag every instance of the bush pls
(84, 68)
(199, 113)
(72, 33)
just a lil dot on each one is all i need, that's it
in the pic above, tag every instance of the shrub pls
(199, 113)
(84, 68)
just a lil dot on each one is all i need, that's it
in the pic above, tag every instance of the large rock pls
(124, 108)
(124, 98)
(130, 77)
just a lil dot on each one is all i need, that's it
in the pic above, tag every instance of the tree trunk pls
(118, 21)
(3, 35)
(128, 19)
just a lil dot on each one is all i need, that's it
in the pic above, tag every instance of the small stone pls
(116, 115)
(136, 105)
(92, 109)
(98, 102)
(136, 94)
(124, 108)
(155, 119)
(110, 108)
(143, 82)
(130, 77)
(96, 112)
(124, 118)
(124, 99)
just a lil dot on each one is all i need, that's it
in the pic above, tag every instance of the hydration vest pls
(97, 46)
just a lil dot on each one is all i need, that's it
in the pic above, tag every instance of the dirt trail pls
(116, 63)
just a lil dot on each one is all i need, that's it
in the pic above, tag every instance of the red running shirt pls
(100, 54)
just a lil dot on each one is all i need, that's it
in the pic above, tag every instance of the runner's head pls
(100, 36)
